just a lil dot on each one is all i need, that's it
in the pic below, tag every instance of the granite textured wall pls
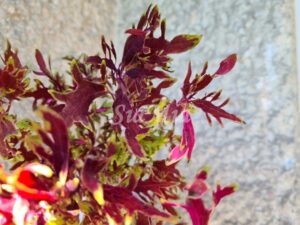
(260, 156)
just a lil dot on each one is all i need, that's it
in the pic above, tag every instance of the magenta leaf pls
(195, 206)
(187, 141)
(220, 193)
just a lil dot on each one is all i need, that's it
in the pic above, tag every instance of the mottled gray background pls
(260, 156)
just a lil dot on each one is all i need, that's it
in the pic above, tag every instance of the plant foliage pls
(89, 157)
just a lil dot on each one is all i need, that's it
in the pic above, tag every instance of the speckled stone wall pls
(260, 156)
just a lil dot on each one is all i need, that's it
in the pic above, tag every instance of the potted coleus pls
(89, 157)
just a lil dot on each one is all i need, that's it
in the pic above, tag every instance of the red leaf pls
(202, 175)
(186, 84)
(216, 96)
(159, 188)
(55, 143)
(142, 21)
(136, 32)
(134, 45)
(9, 53)
(196, 209)
(156, 44)
(125, 198)
(85, 90)
(187, 141)
(97, 60)
(182, 43)
(29, 186)
(135, 73)
(220, 193)
(166, 83)
(157, 74)
(133, 143)
(199, 187)
(89, 177)
(177, 154)
(103, 44)
(41, 62)
(6, 128)
(202, 83)
(172, 110)
(204, 69)
(227, 64)
(12, 77)
(216, 111)
(163, 29)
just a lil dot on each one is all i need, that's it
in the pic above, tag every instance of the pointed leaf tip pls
(98, 195)
(227, 65)
(187, 141)
(182, 43)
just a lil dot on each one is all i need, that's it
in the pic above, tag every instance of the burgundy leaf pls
(136, 32)
(136, 148)
(6, 128)
(163, 28)
(220, 193)
(157, 74)
(182, 43)
(12, 76)
(86, 91)
(97, 60)
(158, 187)
(226, 65)
(216, 111)
(89, 177)
(166, 84)
(9, 53)
(156, 44)
(204, 69)
(133, 45)
(125, 198)
(103, 44)
(186, 84)
(41, 62)
(172, 110)
(55, 144)
(202, 83)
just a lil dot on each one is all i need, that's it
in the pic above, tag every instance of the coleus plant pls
(89, 157)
